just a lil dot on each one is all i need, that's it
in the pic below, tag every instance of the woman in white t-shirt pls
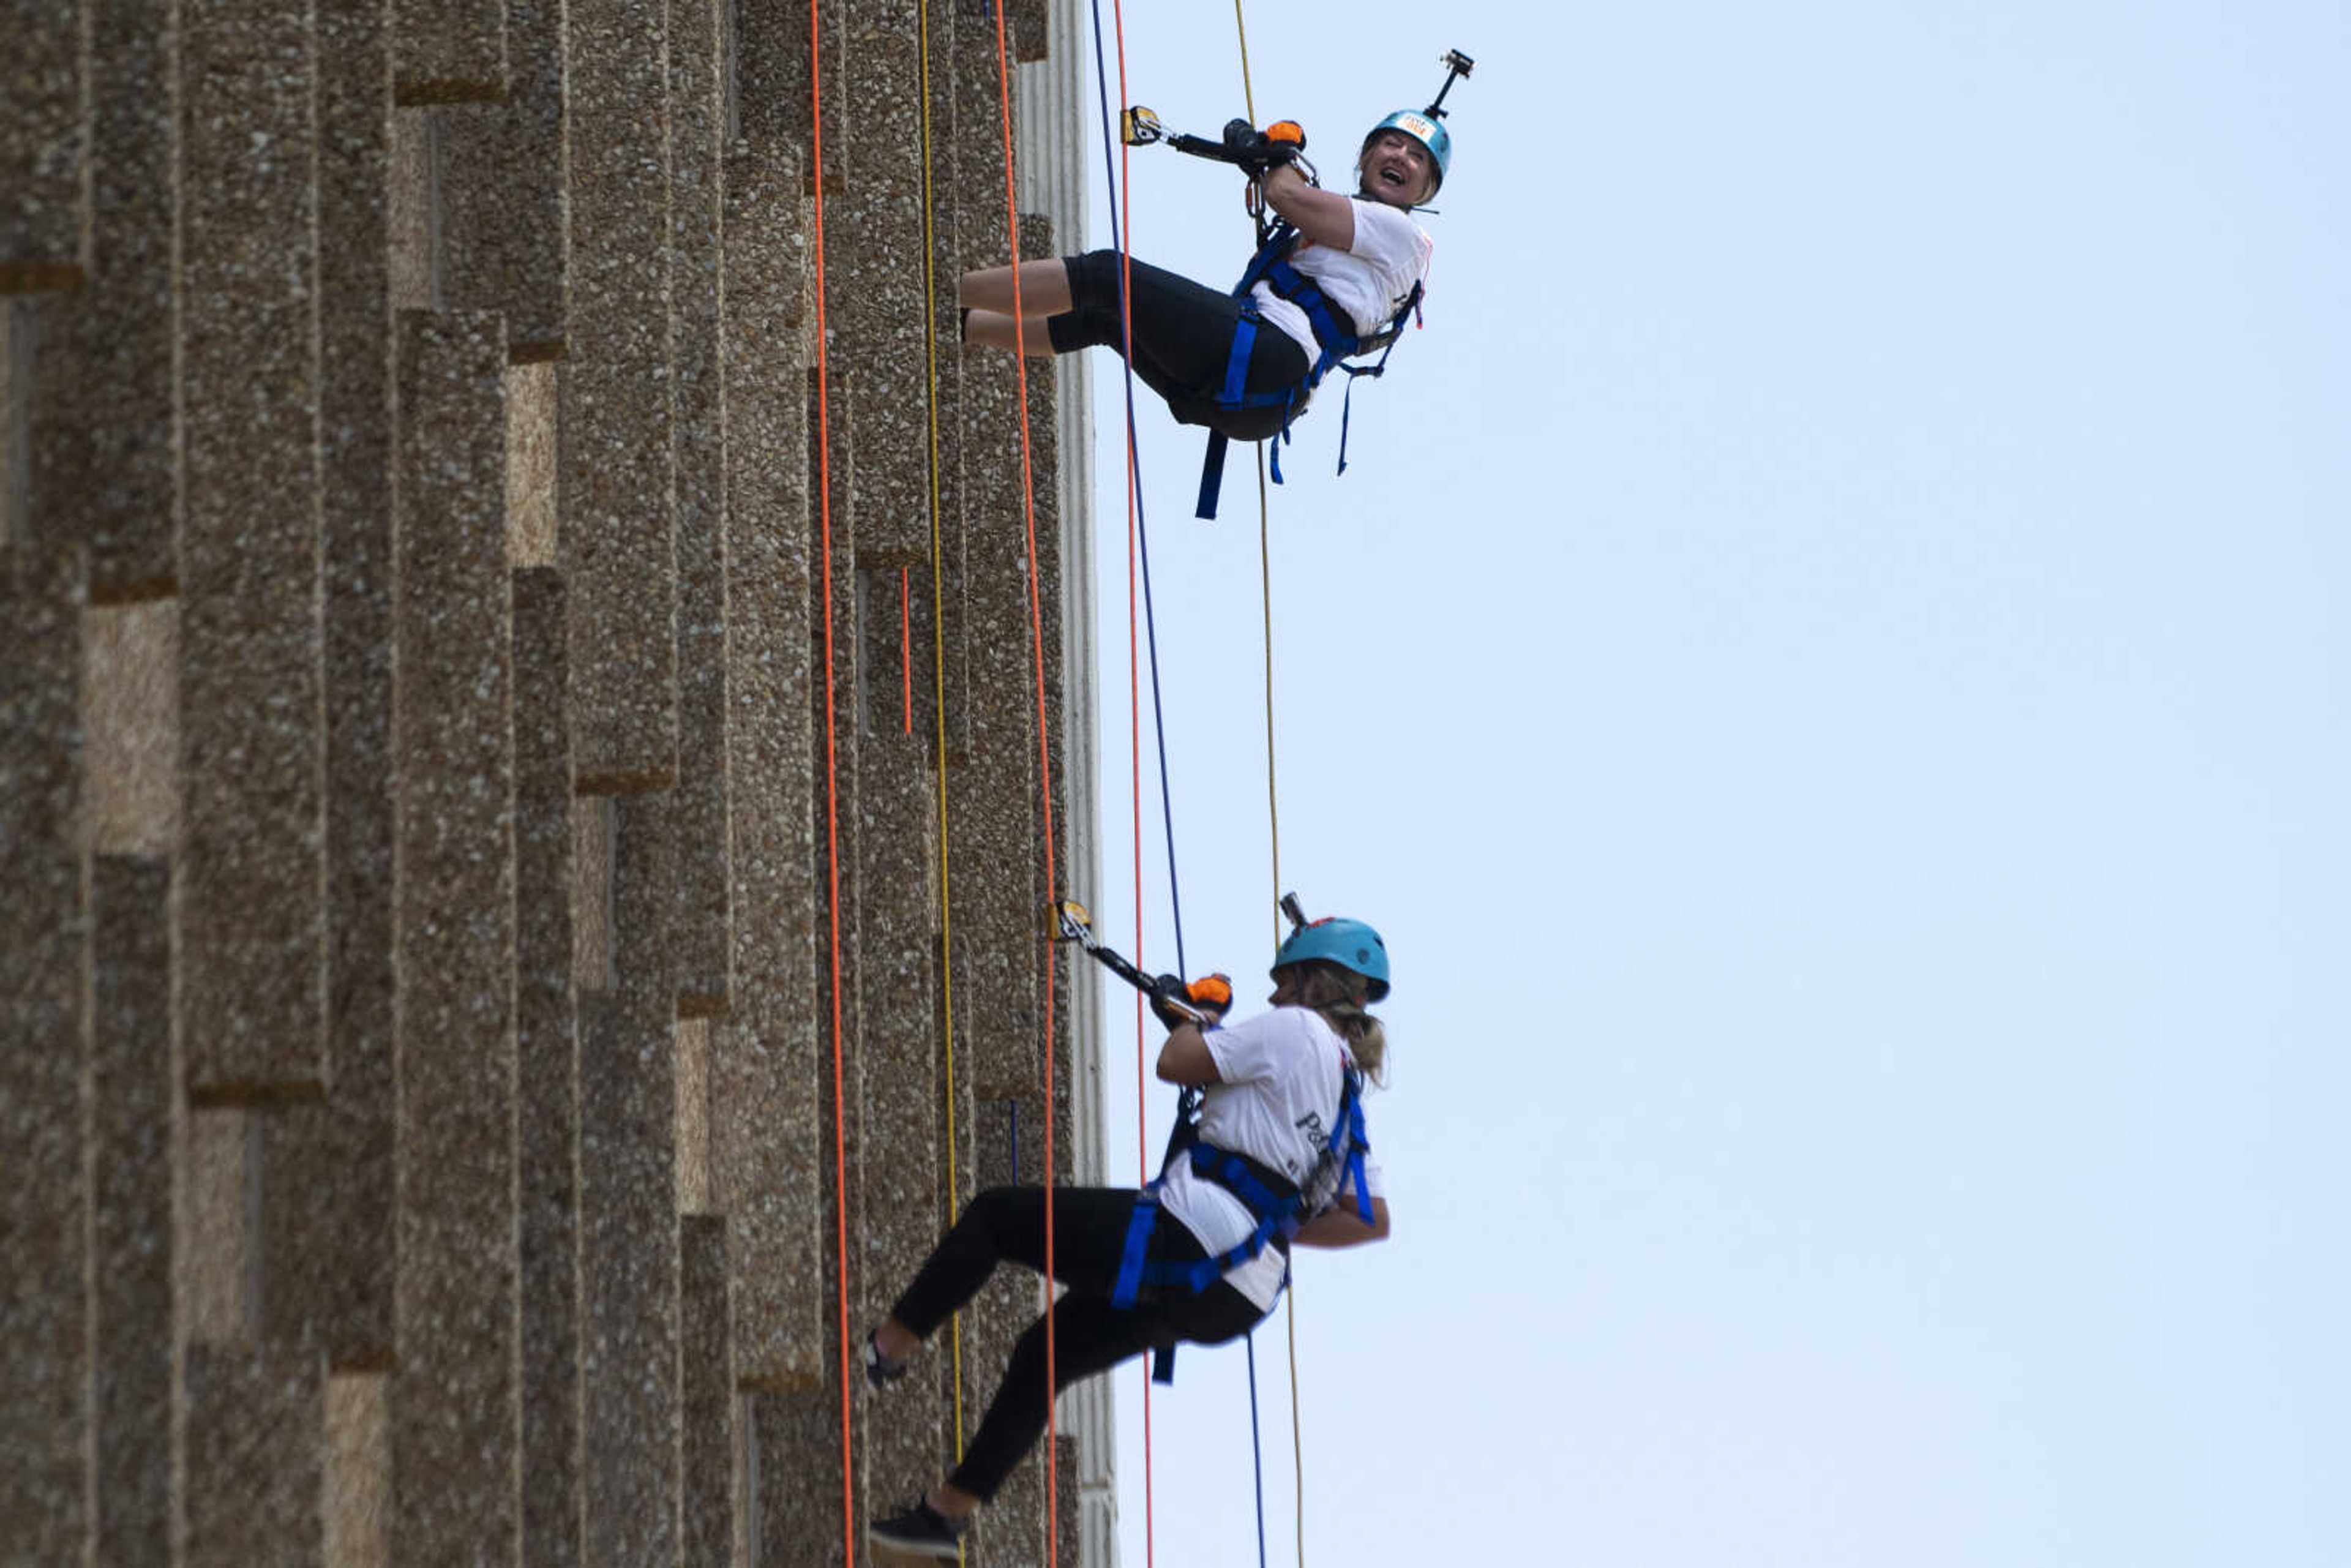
(1273, 1089)
(1200, 348)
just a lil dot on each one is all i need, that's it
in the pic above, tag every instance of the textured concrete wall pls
(417, 801)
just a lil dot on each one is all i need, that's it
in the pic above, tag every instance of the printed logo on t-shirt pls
(1311, 1125)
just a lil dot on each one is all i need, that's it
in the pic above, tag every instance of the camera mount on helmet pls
(1427, 126)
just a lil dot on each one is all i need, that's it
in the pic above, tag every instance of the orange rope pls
(1044, 782)
(832, 799)
(906, 642)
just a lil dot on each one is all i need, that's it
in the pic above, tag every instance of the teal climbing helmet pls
(1425, 129)
(1350, 943)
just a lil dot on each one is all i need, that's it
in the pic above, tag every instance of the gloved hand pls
(1211, 997)
(1258, 152)
(1169, 992)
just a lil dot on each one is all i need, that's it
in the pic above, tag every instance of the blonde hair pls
(1339, 995)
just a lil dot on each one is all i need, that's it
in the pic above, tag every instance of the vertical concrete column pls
(532, 491)
(454, 1397)
(764, 1065)
(138, 1127)
(253, 990)
(618, 460)
(327, 1168)
(773, 76)
(505, 224)
(997, 842)
(901, 1117)
(46, 1369)
(450, 51)
(793, 1470)
(697, 110)
(629, 1215)
(16, 392)
(707, 1395)
(140, 1138)
(44, 149)
(257, 1458)
(219, 1259)
(690, 1042)
(835, 805)
(548, 1081)
(129, 702)
(359, 1470)
(879, 313)
(1044, 461)
(104, 419)
(1025, 28)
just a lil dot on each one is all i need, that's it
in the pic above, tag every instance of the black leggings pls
(1090, 1335)
(1182, 341)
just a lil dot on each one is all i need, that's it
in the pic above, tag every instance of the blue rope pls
(1134, 476)
(1257, 1457)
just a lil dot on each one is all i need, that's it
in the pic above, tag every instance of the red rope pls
(1044, 780)
(906, 642)
(832, 799)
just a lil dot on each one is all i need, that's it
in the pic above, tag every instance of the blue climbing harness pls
(1280, 1205)
(1333, 331)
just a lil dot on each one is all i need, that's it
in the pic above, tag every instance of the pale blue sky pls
(1827, 665)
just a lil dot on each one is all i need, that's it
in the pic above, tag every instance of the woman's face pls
(1397, 169)
(1289, 987)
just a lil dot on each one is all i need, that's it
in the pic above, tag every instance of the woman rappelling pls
(1274, 1155)
(1333, 276)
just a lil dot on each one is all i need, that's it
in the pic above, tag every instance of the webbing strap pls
(1138, 1243)
(1237, 361)
(1212, 477)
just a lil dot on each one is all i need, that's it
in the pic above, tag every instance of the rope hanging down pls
(1044, 780)
(939, 678)
(831, 797)
(1138, 547)
(1257, 1457)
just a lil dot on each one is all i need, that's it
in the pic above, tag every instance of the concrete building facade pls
(523, 812)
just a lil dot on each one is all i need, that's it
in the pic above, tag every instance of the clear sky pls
(1828, 666)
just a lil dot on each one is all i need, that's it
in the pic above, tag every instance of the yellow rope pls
(939, 676)
(1240, 23)
(1273, 815)
(1273, 819)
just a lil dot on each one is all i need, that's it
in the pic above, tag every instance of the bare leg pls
(993, 330)
(953, 1502)
(896, 1340)
(1044, 289)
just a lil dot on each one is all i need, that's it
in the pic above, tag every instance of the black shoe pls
(880, 1370)
(921, 1531)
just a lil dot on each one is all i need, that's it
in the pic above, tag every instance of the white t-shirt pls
(1281, 1075)
(1370, 280)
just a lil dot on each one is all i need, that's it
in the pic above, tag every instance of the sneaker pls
(880, 1370)
(922, 1531)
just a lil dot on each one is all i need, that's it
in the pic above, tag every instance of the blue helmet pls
(1350, 943)
(1424, 128)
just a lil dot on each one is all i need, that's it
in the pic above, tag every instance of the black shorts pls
(1183, 342)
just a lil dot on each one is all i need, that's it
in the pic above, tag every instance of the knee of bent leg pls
(1094, 280)
(990, 1209)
